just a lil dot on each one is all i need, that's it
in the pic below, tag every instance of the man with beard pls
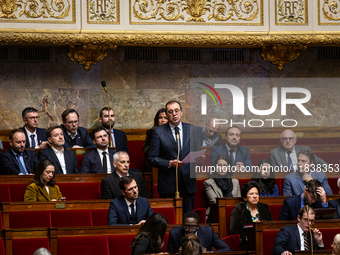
(238, 155)
(17, 160)
(118, 137)
(65, 161)
(208, 135)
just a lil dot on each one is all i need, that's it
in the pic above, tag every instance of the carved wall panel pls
(329, 12)
(103, 11)
(291, 12)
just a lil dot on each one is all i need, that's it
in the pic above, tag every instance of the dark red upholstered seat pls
(256, 157)
(71, 218)
(18, 192)
(27, 246)
(331, 157)
(201, 200)
(202, 213)
(275, 211)
(2, 247)
(119, 244)
(168, 212)
(228, 210)
(333, 184)
(328, 236)
(80, 245)
(269, 241)
(1, 227)
(233, 241)
(99, 217)
(155, 191)
(5, 193)
(165, 239)
(80, 160)
(136, 154)
(30, 219)
(80, 191)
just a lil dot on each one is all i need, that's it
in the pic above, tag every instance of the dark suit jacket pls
(120, 140)
(163, 148)
(41, 135)
(288, 239)
(82, 138)
(335, 204)
(92, 163)
(70, 160)
(291, 206)
(241, 217)
(206, 235)
(110, 185)
(10, 165)
(144, 246)
(242, 154)
(119, 213)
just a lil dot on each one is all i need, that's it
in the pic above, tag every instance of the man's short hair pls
(191, 214)
(309, 154)
(312, 186)
(125, 180)
(96, 130)
(304, 210)
(173, 102)
(67, 112)
(226, 132)
(28, 110)
(14, 131)
(104, 109)
(50, 129)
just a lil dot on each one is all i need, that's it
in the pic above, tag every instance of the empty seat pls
(2, 247)
(71, 218)
(30, 219)
(18, 192)
(80, 191)
(5, 193)
(99, 217)
(275, 211)
(233, 241)
(27, 246)
(119, 244)
(269, 241)
(168, 212)
(80, 245)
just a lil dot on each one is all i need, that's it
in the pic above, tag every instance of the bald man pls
(208, 135)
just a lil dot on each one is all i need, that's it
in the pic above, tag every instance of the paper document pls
(192, 156)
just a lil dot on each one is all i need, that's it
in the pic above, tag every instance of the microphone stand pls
(108, 110)
(178, 150)
(309, 228)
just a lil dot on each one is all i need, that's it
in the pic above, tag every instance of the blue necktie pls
(22, 168)
(179, 135)
(33, 140)
(305, 242)
(290, 163)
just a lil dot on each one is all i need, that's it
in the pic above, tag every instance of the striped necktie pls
(305, 242)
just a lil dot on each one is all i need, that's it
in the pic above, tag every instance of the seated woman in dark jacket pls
(266, 179)
(247, 212)
(149, 239)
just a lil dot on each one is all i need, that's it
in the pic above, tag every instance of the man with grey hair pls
(42, 251)
(110, 184)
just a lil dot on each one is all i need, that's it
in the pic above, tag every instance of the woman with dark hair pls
(247, 212)
(160, 119)
(44, 186)
(150, 236)
(191, 245)
(266, 179)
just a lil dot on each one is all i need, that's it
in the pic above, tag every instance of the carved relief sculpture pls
(103, 11)
(291, 12)
(331, 10)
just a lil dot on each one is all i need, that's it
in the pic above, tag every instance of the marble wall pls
(138, 89)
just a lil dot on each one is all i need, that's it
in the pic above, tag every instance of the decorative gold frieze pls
(291, 12)
(36, 11)
(226, 12)
(281, 54)
(103, 11)
(89, 54)
(330, 11)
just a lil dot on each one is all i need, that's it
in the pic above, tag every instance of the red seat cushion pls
(233, 241)
(168, 212)
(71, 218)
(5, 193)
(81, 245)
(119, 244)
(80, 191)
(275, 211)
(18, 192)
(2, 247)
(165, 240)
(201, 200)
(202, 213)
(1, 227)
(155, 191)
(328, 236)
(136, 154)
(269, 241)
(30, 219)
(80, 160)
(333, 183)
(28, 246)
(228, 210)
(99, 217)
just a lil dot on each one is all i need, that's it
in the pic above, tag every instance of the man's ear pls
(114, 164)
(49, 139)
(298, 218)
(123, 192)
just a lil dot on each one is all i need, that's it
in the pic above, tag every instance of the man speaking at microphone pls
(163, 155)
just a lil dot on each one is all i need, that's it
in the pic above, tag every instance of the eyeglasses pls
(192, 228)
(33, 118)
(288, 139)
(172, 111)
(72, 122)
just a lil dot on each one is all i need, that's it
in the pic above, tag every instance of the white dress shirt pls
(61, 158)
(108, 162)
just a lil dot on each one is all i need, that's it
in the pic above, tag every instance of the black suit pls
(70, 160)
(82, 138)
(288, 239)
(92, 163)
(120, 140)
(335, 204)
(110, 185)
(10, 165)
(41, 136)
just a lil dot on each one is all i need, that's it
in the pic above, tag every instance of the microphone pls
(306, 202)
(178, 150)
(103, 84)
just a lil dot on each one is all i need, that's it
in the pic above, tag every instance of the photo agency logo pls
(238, 99)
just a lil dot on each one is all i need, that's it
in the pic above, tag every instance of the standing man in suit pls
(296, 237)
(110, 184)
(35, 137)
(99, 160)
(118, 136)
(285, 156)
(65, 161)
(208, 135)
(129, 208)
(75, 136)
(163, 155)
(315, 194)
(238, 155)
(295, 182)
(17, 160)
(206, 235)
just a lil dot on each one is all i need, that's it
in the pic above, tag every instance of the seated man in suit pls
(110, 184)
(75, 136)
(289, 238)
(129, 208)
(238, 155)
(208, 135)
(65, 161)
(99, 160)
(285, 156)
(336, 204)
(295, 182)
(315, 194)
(206, 235)
(17, 160)
(35, 137)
